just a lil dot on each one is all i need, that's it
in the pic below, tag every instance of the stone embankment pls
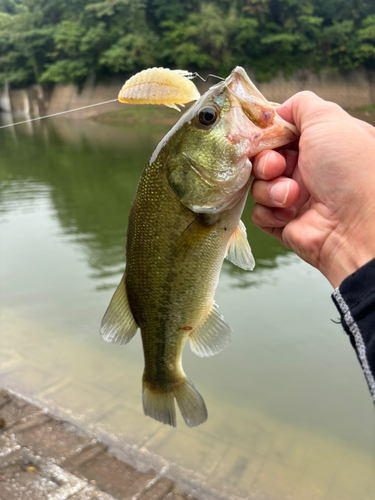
(42, 458)
(352, 90)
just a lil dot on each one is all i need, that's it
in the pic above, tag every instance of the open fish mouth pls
(264, 127)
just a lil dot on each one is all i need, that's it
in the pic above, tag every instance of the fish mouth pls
(259, 120)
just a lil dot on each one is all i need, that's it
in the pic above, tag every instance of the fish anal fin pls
(238, 250)
(118, 324)
(212, 335)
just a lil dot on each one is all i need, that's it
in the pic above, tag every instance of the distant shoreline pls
(162, 116)
(140, 115)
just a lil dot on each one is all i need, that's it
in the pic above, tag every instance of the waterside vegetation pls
(50, 41)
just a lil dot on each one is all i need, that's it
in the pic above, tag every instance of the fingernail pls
(261, 164)
(279, 191)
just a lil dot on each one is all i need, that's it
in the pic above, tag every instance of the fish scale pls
(155, 267)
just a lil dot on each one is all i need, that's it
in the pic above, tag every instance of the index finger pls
(268, 165)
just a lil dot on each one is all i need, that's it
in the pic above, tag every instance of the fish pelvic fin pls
(118, 324)
(158, 403)
(238, 250)
(212, 335)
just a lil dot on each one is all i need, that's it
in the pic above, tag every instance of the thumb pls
(299, 108)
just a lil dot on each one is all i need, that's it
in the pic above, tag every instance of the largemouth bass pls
(184, 220)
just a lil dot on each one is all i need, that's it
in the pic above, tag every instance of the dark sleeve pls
(355, 300)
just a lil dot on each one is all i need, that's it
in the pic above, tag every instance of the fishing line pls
(56, 114)
(209, 76)
(92, 105)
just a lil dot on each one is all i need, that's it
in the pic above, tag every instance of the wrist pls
(344, 262)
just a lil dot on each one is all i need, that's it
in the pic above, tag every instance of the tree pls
(44, 41)
(209, 38)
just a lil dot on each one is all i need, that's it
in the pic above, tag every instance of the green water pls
(290, 415)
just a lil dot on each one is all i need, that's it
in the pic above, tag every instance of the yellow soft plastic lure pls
(160, 86)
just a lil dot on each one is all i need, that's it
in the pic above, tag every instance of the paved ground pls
(44, 458)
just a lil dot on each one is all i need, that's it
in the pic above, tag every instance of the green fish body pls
(185, 219)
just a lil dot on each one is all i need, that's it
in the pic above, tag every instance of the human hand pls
(319, 200)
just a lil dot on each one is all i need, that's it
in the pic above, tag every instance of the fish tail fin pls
(159, 403)
(191, 404)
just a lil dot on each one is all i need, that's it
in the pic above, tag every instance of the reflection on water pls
(289, 411)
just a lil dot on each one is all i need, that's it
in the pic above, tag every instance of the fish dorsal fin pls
(212, 335)
(238, 250)
(118, 324)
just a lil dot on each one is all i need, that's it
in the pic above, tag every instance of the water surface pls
(290, 415)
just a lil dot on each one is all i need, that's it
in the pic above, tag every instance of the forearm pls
(355, 300)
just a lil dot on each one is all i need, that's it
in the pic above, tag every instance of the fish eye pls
(207, 116)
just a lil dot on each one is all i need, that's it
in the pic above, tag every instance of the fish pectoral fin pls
(118, 324)
(238, 250)
(212, 335)
(195, 233)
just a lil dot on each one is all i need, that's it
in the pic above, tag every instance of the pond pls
(290, 415)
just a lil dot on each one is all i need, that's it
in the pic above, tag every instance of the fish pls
(184, 220)
(160, 86)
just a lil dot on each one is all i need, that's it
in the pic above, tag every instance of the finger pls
(296, 106)
(306, 107)
(276, 232)
(304, 193)
(291, 159)
(279, 233)
(268, 165)
(279, 193)
(292, 145)
(366, 126)
(265, 217)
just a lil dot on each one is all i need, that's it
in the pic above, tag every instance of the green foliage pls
(44, 41)
(340, 44)
(200, 40)
(130, 52)
(66, 70)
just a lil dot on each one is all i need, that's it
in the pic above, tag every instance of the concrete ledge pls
(45, 458)
(357, 88)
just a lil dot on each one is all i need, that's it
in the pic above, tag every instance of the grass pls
(365, 113)
(370, 108)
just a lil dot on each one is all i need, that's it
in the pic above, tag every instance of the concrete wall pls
(65, 97)
(355, 89)
(5, 104)
(32, 101)
(352, 90)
